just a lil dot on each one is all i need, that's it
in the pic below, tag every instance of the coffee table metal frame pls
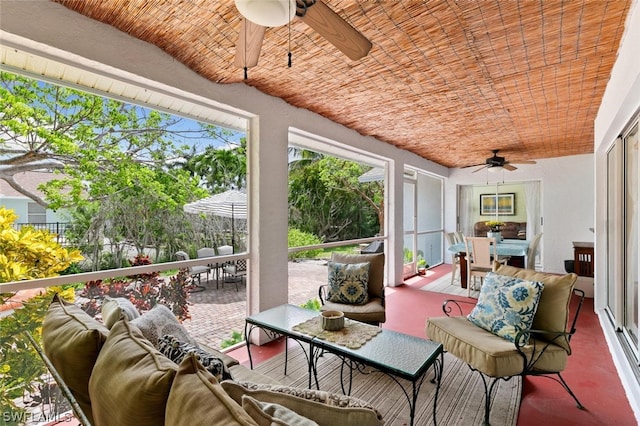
(394, 354)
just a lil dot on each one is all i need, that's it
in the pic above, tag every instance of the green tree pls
(326, 199)
(121, 168)
(220, 169)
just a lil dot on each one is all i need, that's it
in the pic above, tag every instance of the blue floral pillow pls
(506, 305)
(349, 283)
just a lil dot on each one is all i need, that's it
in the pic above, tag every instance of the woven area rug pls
(443, 285)
(460, 401)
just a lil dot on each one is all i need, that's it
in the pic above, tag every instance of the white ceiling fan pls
(259, 14)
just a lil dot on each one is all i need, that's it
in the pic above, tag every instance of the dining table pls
(515, 249)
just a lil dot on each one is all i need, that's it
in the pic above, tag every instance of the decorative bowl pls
(332, 320)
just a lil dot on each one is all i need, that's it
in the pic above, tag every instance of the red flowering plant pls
(143, 290)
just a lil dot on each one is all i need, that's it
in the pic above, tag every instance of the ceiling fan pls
(259, 14)
(497, 161)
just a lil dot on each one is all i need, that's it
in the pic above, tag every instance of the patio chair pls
(235, 272)
(372, 311)
(194, 271)
(538, 349)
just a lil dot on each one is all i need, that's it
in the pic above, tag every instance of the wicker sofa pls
(510, 230)
(118, 376)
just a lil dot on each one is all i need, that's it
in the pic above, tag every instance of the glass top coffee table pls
(395, 354)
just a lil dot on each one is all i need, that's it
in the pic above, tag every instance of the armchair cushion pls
(553, 308)
(506, 305)
(376, 269)
(491, 354)
(349, 283)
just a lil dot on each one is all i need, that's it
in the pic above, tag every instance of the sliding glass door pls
(623, 234)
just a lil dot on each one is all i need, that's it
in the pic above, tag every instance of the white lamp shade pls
(268, 13)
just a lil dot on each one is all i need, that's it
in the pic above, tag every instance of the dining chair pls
(459, 237)
(531, 252)
(481, 251)
(206, 252)
(455, 257)
(195, 272)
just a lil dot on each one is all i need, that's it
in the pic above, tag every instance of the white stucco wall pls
(620, 104)
(567, 201)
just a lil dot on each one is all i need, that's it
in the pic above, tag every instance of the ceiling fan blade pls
(249, 44)
(478, 169)
(523, 162)
(509, 167)
(337, 31)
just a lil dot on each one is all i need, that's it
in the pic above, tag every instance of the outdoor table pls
(503, 248)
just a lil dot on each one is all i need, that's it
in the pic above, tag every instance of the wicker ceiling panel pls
(449, 81)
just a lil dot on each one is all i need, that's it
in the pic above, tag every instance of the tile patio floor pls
(216, 313)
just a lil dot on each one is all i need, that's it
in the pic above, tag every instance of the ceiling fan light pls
(495, 169)
(268, 13)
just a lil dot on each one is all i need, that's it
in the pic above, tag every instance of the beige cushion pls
(131, 380)
(72, 340)
(373, 311)
(491, 354)
(159, 321)
(268, 414)
(553, 308)
(113, 308)
(196, 398)
(376, 269)
(322, 407)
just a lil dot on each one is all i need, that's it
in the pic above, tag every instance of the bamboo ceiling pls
(449, 81)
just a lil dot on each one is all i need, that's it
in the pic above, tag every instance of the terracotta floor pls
(590, 371)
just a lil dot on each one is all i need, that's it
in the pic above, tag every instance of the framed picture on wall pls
(500, 204)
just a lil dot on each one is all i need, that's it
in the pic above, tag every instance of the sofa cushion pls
(176, 350)
(269, 414)
(114, 308)
(322, 407)
(72, 341)
(506, 305)
(131, 380)
(553, 308)
(490, 354)
(196, 398)
(349, 283)
(160, 321)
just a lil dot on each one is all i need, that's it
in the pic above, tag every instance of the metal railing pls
(57, 228)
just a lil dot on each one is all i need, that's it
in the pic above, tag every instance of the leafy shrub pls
(297, 238)
(313, 304)
(236, 337)
(29, 253)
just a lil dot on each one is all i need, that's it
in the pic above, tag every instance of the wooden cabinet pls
(583, 259)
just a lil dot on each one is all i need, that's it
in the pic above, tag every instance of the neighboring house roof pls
(30, 180)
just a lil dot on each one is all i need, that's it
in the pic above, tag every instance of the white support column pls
(268, 188)
(394, 225)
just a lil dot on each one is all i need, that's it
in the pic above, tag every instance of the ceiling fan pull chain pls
(245, 72)
(289, 25)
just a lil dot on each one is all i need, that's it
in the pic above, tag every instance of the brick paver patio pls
(216, 313)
